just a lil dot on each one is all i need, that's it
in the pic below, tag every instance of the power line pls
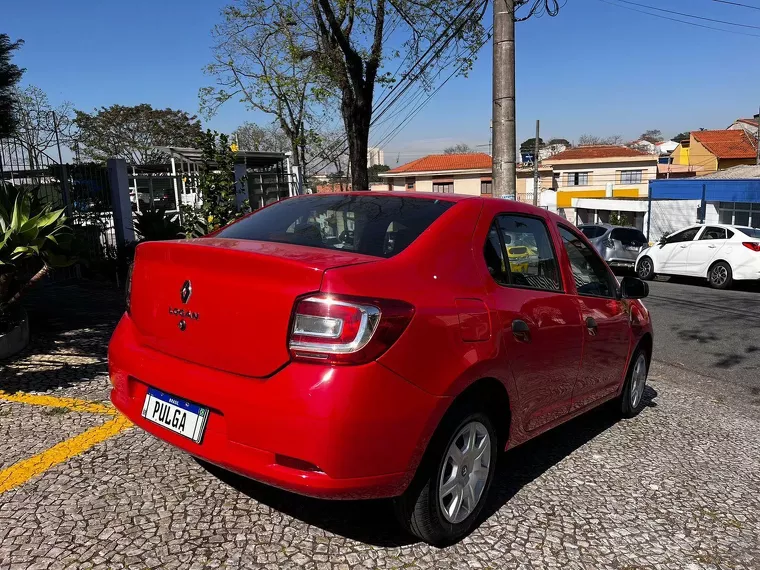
(737, 4)
(681, 21)
(690, 15)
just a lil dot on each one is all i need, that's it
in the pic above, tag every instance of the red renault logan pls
(362, 345)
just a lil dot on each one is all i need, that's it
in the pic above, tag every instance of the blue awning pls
(715, 190)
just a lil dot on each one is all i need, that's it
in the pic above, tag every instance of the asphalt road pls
(712, 333)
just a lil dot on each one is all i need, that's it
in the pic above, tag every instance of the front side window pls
(713, 233)
(370, 225)
(529, 252)
(591, 276)
(631, 176)
(684, 235)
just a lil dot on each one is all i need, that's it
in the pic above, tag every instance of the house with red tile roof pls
(747, 125)
(468, 173)
(717, 150)
(596, 181)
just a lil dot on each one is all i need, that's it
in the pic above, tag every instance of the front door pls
(673, 256)
(705, 249)
(541, 325)
(607, 334)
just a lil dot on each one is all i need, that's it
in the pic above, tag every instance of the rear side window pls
(713, 233)
(527, 252)
(628, 236)
(379, 226)
(592, 232)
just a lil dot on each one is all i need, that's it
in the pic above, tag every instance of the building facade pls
(710, 151)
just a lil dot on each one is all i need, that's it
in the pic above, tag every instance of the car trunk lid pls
(226, 303)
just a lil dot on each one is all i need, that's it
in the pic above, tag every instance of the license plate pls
(179, 416)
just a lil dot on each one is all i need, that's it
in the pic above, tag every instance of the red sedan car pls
(364, 345)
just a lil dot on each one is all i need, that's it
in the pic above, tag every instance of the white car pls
(720, 253)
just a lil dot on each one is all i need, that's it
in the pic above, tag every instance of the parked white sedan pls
(720, 253)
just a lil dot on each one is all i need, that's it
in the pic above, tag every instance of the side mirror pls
(633, 288)
(663, 240)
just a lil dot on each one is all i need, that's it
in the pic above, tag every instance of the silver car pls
(618, 246)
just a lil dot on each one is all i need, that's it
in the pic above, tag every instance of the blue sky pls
(597, 68)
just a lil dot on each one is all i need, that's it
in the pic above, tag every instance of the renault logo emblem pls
(187, 291)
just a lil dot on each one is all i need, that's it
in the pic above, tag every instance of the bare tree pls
(39, 121)
(588, 140)
(652, 135)
(459, 148)
(250, 136)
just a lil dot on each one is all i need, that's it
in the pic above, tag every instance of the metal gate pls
(81, 188)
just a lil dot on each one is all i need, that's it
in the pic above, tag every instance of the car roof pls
(404, 193)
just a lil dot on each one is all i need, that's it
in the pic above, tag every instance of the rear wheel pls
(645, 270)
(443, 503)
(720, 275)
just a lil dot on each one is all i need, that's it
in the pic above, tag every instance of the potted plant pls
(33, 239)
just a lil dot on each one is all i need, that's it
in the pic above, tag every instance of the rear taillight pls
(753, 245)
(346, 330)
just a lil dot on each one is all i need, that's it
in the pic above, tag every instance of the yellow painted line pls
(55, 402)
(19, 473)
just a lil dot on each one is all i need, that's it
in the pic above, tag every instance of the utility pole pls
(504, 135)
(535, 167)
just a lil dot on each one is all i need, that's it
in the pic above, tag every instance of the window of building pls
(592, 278)
(739, 213)
(443, 187)
(486, 187)
(410, 183)
(631, 176)
(577, 178)
(529, 255)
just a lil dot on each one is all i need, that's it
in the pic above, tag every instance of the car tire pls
(645, 269)
(632, 398)
(720, 275)
(428, 508)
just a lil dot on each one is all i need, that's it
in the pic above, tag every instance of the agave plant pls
(156, 225)
(34, 238)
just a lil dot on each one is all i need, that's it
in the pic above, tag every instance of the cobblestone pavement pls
(677, 487)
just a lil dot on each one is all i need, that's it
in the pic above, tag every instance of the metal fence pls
(82, 189)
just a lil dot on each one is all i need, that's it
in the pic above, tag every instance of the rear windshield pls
(592, 232)
(379, 226)
(751, 232)
(628, 235)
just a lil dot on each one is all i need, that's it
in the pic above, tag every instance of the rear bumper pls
(363, 429)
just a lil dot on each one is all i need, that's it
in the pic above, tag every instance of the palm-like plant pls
(33, 238)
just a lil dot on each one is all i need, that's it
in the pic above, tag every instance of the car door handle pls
(683, 246)
(521, 330)
(711, 246)
(591, 326)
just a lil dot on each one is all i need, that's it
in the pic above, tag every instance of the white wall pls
(469, 185)
(672, 215)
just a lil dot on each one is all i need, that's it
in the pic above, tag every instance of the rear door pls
(541, 324)
(672, 257)
(704, 250)
(607, 333)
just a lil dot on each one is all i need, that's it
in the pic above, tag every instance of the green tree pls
(219, 203)
(132, 133)
(652, 135)
(529, 146)
(680, 137)
(555, 142)
(375, 170)
(10, 74)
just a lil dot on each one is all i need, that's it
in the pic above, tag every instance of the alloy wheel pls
(638, 380)
(466, 467)
(645, 267)
(718, 275)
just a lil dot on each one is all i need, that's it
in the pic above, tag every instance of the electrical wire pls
(678, 20)
(690, 15)
(737, 4)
